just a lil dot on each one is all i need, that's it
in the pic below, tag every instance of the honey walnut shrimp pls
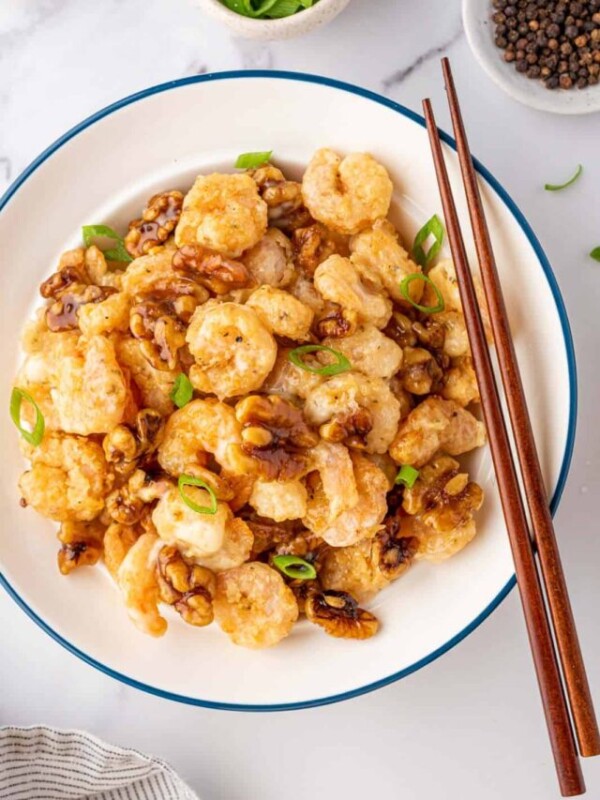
(281, 458)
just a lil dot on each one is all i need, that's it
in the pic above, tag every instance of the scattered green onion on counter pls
(191, 480)
(118, 253)
(414, 276)
(341, 365)
(407, 476)
(556, 187)
(36, 434)
(595, 254)
(268, 9)
(182, 391)
(295, 567)
(433, 227)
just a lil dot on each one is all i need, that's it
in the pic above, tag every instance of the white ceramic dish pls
(480, 35)
(101, 172)
(268, 29)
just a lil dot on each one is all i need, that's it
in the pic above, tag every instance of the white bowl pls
(479, 27)
(285, 28)
(102, 171)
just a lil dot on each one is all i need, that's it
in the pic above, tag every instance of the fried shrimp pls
(224, 213)
(344, 395)
(202, 426)
(346, 194)
(253, 605)
(281, 313)
(338, 280)
(137, 580)
(380, 258)
(270, 260)
(68, 478)
(369, 351)
(279, 500)
(233, 349)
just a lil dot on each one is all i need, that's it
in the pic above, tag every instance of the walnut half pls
(187, 587)
(213, 270)
(81, 545)
(339, 615)
(158, 221)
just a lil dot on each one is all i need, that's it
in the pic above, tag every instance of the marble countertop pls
(469, 725)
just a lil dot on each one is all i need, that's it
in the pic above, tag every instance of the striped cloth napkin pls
(41, 763)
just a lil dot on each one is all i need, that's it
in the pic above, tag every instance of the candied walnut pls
(159, 219)
(351, 428)
(315, 244)
(283, 198)
(400, 329)
(126, 503)
(187, 587)
(420, 372)
(213, 270)
(391, 552)
(276, 436)
(336, 322)
(430, 332)
(339, 615)
(58, 283)
(62, 314)
(128, 446)
(269, 534)
(81, 545)
(443, 497)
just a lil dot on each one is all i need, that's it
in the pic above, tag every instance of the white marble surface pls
(469, 725)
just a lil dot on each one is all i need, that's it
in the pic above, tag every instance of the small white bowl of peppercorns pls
(545, 53)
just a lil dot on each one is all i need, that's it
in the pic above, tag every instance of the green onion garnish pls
(117, 253)
(253, 160)
(182, 391)
(407, 476)
(269, 9)
(191, 480)
(342, 364)
(295, 567)
(433, 227)
(556, 187)
(414, 276)
(595, 254)
(34, 436)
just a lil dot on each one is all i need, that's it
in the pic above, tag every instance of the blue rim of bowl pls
(569, 349)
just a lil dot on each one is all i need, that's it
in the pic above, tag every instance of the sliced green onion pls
(414, 276)
(191, 480)
(556, 187)
(253, 160)
(433, 227)
(117, 253)
(295, 567)
(182, 391)
(407, 476)
(342, 364)
(270, 9)
(595, 254)
(36, 434)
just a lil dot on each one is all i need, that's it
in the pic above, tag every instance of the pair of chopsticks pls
(541, 622)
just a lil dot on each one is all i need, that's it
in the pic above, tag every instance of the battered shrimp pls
(92, 393)
(443, 275)
(279, 500)
(234, 350)
(270, 260)
(154, 385)
(224, 213)
(288, 380)
(369, 351)
(281, 313)
(68, 478)
(138, 583)
(333, 490)
(379, 257)
(202, 426)
(461, 382)
(143, 274)
(436, 424)
(337, 280)
(364, 519)
(110, 315)
(344, 395)
(118, 540)
(346, 194)
(254, 606)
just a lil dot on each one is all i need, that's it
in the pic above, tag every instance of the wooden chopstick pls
(536, 619)
(578, 690)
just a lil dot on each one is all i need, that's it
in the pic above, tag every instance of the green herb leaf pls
(295, 567)
(433, 227)
(306, 3)
(595, 254)
(283, 8)
(407, 476)
(414, 276)
(117, 253)
(341, 365)
(253, 160)
(556, 187)
(182, 391)
(240, 7)
(191, 480)
(264, 7)
(36, 434)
